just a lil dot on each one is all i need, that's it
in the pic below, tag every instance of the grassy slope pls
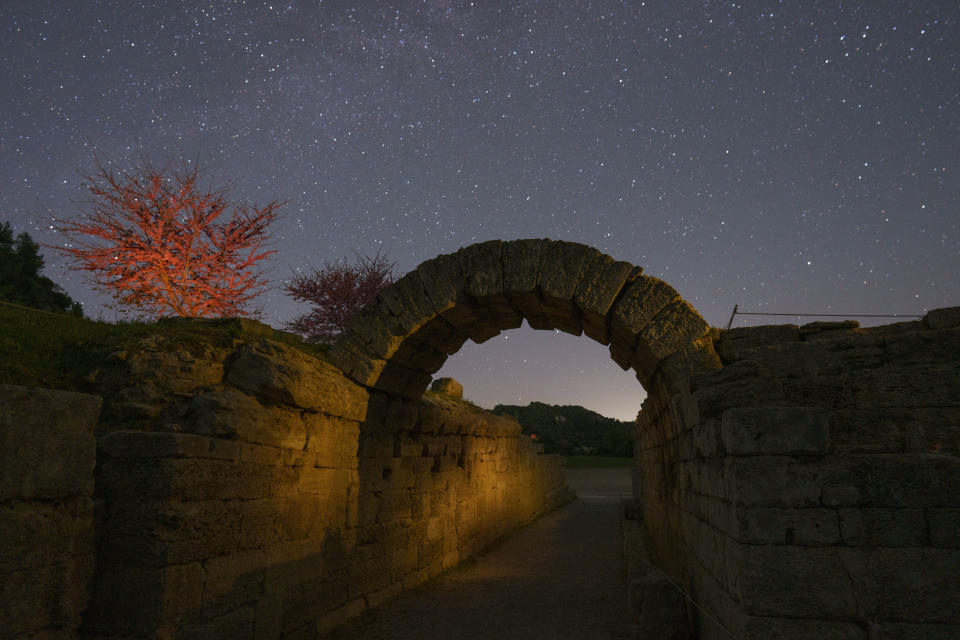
(56, 351)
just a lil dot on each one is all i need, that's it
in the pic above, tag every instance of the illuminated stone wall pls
(47, 544)
(809, 488)
(271, 497)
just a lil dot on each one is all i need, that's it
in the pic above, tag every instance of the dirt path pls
(561, 577)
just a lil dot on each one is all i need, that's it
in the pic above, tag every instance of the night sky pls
(784, 156)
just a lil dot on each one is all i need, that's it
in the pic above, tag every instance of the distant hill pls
(572, 429)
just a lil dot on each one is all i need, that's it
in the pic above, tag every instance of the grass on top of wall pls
(56, 351)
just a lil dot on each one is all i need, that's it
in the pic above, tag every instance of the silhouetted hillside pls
(572, 429)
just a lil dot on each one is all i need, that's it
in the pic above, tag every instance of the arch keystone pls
(521, 278)
(561, 270)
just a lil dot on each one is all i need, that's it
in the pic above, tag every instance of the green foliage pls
(20, 279)
(572, 429)
(58, 351)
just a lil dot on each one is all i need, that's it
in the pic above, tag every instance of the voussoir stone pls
(481, 269)
(675, 326)
(597, 291)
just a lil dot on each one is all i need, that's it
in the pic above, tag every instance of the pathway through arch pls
(563, 576)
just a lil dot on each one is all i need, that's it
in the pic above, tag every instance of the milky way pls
(797, 157)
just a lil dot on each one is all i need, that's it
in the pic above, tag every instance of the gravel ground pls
(561, 577)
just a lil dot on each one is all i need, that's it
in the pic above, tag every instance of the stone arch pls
(397, 343)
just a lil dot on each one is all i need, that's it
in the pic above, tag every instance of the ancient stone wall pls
(246, 490)
(809, 489)
(47, 456)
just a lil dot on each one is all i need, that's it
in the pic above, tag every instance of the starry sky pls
(793, 157)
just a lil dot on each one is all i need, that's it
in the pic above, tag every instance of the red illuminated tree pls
(337, 291)
(154, 240)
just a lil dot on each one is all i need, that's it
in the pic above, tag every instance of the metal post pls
(731, 316)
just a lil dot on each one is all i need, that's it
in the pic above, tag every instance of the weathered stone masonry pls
(246, 504)
(810, 489)
(798, 482)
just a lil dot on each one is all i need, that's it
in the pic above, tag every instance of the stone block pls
(636, 305)
(787, 526)
(870, 430)
(521, 277)
(48, 447)
(238, 624)
(46, 601)
(659, 610)
(293, 562)
(806, 330)
(922, 386)
(596, 292)
(134, 445)
(408, 302)
(441, 335)
(883, 527)
(675, 327)
(41, 534)
(231, 581)
(768, 628)
(746, 383)
(419, 356)
(772, 481)
(157, 534)
(472, 320)
(269, 618)
(443, 281)
(261, 523)
(481, 268)
(923, 347)
(234, 415)
(942, 318)
(908, 631)
(944, 527)
(376, 329)
(448, 387)
(136, 601)
(561, 269)
(288, 376)
(733, 342)
(355, 360)
(888, 480)
(775, 430)
(916, 585)
(802, 582)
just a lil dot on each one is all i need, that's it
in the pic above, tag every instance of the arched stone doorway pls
(396, 344)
